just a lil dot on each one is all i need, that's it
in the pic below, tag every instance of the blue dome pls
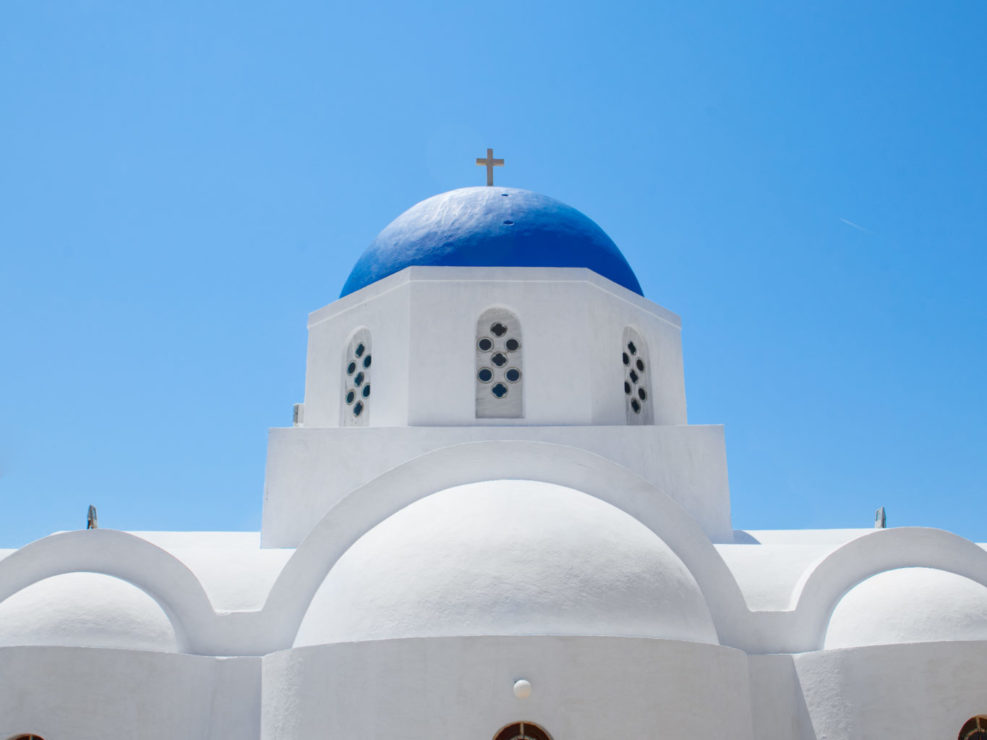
(491, 227)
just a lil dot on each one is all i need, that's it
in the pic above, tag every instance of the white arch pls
(121, 555)
(472, 462)
(822, 587)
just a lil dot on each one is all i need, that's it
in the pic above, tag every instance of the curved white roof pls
(909, 605)
(508, 558)
(85, 610)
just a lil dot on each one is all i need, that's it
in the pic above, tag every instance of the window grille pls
(499, 366)
(357, 362)
(636, 362)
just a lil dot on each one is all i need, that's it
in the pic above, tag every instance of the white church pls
(492, 520)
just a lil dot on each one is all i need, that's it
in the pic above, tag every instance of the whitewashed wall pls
(64, 693)
(423, 323)
(582, 689)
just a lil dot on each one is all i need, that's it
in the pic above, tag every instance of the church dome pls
(85, 610)
(909, 605)
(491, 227)
(508, 557)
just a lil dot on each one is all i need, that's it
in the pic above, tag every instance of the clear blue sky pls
(182, 182)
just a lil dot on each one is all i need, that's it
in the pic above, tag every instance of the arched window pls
(975, 728)
(638, 406)
(27, 737)
(355, 406)
(522, 731)
(499, 366)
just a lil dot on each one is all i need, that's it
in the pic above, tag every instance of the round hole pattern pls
(356, 380)
(635, 378)
(498, 361)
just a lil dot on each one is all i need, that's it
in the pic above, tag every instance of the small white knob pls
(522, 689)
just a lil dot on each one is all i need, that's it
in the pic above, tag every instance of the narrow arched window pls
(499, 366)
(27, 737)
(636, 362)
(522, 731)
(357, 360)
(975, 728)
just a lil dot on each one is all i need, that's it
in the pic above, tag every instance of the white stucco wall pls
(583, 688)
(387, 317)
(309, 470)
(65, 693)
(423, 323)
(777, 705)
(912, 692)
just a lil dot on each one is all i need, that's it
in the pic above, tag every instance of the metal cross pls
(489, 163)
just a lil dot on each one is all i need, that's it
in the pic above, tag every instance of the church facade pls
(491, 520)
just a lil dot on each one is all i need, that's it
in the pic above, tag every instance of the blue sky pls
(181, 183)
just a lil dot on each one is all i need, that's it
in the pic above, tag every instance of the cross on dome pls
(489, 163)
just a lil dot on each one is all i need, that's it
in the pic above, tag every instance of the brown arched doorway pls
(975, 728)
(524, 731)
